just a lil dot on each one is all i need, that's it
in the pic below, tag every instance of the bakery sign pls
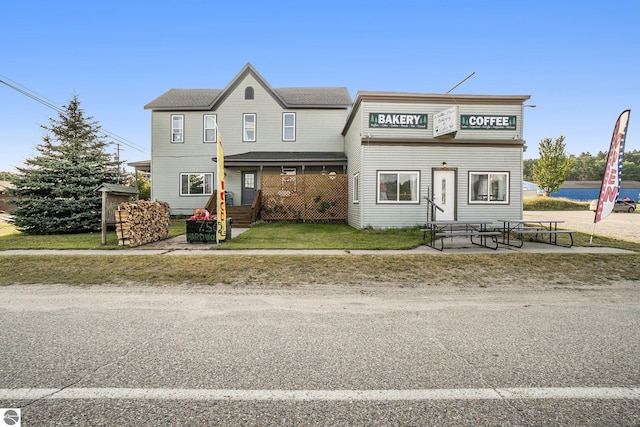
(483, 122)
(398, 120)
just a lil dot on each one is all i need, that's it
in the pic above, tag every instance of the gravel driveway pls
(620, 225)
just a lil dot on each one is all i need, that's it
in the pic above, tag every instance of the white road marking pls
(322, 395)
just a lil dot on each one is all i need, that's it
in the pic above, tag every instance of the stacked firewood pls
(141, 222)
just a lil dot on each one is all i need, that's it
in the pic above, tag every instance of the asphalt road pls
(463, 355)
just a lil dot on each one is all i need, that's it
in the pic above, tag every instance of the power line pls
(48, 103)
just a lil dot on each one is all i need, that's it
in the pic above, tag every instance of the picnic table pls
(540, 228)
(476, 230)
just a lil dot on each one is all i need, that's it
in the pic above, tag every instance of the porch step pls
(240, 215)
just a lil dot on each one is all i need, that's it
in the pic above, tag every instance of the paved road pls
(321, 355)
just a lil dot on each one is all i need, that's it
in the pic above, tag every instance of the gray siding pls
(431, 109)
(423, 159)
(353, 150)
(316, 130)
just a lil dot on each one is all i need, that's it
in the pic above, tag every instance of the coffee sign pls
(482, 122)
(398, 120)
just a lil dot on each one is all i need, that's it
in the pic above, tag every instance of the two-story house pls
(263, 130)
(404, 153)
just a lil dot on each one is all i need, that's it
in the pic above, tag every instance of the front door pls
(444, 193)
(249, 187)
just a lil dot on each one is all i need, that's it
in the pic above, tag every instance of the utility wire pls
(47, 102)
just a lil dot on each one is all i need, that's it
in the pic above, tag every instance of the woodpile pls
(142, 222)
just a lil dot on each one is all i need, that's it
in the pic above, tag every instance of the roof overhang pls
(283, 158)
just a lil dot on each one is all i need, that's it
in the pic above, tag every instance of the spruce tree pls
(56, 189)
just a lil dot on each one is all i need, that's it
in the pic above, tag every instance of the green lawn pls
(10, 238)
(268, 236)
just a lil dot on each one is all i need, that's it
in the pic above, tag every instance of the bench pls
(468, 233)
(551, 233)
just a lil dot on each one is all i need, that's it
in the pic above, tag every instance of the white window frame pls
(246, 129)
(485, 188)
(356, 188)
(207, 183)
(383, 196)
(286, 127)
(177, 132)
(206, 120)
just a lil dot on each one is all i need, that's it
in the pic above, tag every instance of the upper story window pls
(177, 128)
(288, 126)
(489, 187)
(248, 92)
(249, 127)
(210, 128)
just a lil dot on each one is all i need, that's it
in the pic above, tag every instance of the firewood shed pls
(112, 196)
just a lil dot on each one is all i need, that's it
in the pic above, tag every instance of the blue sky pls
(579, 61)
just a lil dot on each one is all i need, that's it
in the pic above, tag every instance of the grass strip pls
(484, 270)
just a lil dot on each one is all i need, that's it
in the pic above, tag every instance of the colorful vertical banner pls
(221, 204)
(613, 171)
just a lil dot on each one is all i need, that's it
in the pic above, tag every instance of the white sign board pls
(445, 122)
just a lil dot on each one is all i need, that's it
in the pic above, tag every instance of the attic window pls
(248, 92)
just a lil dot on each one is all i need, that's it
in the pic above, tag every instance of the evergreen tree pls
(56, 189)
(551, 169)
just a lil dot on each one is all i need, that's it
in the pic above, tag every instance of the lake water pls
(586, 194)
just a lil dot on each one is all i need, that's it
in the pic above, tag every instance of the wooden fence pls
(313, 198)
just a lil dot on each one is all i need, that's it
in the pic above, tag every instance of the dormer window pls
(248, 92)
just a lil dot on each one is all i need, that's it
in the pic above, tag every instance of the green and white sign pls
(483, 122)
(398, 120)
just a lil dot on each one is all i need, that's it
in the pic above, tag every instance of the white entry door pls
(444, 193)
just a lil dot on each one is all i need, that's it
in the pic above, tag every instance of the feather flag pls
(613, 171)
(221, 204)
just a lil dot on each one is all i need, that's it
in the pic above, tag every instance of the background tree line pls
(587, 167)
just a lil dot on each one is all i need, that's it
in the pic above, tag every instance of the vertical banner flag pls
(612, 171)
(221, 205)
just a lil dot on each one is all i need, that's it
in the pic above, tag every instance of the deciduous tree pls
(551, 169)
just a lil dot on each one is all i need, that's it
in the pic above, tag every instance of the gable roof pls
(210, 99)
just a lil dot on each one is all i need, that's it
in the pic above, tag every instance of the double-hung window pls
(489, 187)
(177, 128)
(249, 127)
(288, 126)
(210, 128)
(398, 187)
(196, 184)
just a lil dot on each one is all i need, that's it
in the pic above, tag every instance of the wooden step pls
(240, 215)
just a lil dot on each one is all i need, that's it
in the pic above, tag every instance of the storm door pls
(249, 187)
(444, 193)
